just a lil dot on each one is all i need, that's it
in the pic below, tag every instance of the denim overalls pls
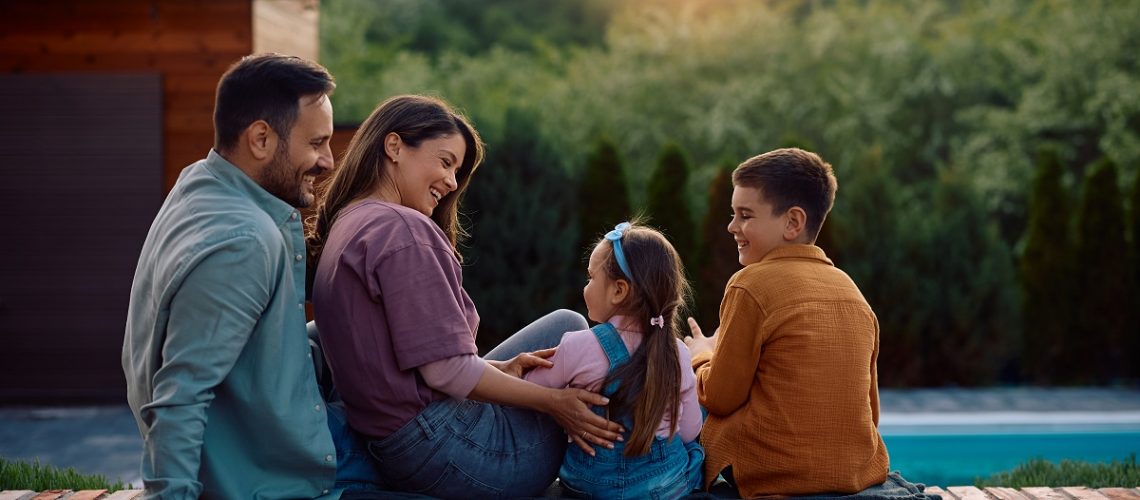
(671, 468)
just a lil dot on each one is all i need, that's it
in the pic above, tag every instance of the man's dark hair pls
(264, 87)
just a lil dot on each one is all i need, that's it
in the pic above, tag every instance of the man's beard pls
(281, 179)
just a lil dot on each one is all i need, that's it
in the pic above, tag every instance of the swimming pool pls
(954, 449)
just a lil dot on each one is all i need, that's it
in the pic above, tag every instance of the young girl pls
(635, 290)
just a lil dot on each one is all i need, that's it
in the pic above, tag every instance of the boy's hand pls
(699, 343)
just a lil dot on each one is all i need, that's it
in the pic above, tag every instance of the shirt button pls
(325, 492)
(298, 257)
(310, 355)
(300, 306)
(328, 458)
(317, 407)
(293, 216)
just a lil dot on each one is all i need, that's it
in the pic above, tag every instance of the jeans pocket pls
(455, 483)
(402, 461)
(572, 492)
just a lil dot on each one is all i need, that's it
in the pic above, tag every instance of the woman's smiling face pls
(425, 174)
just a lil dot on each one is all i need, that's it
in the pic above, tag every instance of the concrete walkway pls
(105, 440)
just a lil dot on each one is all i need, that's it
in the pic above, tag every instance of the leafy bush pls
(1039, 472)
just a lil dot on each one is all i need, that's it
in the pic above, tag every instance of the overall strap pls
(615, 350)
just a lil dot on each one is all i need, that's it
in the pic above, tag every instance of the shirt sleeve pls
(211, 317)
(725, 378)
(456, 376)
(425, 304)
(579, 361)
(689, 426)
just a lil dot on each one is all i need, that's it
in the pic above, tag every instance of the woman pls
(399, 330)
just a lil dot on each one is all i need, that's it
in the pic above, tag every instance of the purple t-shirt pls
(388, 297)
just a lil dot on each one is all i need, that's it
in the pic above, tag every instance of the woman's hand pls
(699, 343)
(571, 409)
(519, 365)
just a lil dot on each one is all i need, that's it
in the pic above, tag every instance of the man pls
(218, 367)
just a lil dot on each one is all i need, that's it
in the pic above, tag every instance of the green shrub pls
(1040, 472)
(19, 475)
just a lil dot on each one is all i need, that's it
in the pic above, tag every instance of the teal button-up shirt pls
(219, 372)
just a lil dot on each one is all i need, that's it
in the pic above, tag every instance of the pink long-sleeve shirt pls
(580, 362)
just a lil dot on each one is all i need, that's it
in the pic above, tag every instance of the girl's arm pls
(689, 425)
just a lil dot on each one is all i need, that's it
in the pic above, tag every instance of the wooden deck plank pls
(968, 493)
(1083, 493)
(51, 494)
(1120, 493)
(946, 495)
(1002, 493)
(16, 494)
(87, 495)
(1043, 493)
(124, 495)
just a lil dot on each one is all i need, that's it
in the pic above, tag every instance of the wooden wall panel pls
(80, 154)
(189, 42)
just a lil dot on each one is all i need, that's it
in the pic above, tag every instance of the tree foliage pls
(1048, 277)
(518, 265)
(1104, 308)
(668, 203)
(718, 259)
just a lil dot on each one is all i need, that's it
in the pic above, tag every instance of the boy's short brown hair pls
(791, 177)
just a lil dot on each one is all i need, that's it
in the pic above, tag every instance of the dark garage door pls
(81, 157)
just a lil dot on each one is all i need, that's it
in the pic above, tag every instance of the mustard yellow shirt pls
(791, 388)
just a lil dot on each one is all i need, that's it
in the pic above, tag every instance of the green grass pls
(36, 477)
(1038, 472)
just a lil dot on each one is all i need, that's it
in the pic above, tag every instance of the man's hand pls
(571, 409)
(519, 365)
(699, 343)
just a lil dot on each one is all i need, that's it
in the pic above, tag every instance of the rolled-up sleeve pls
(725, 377)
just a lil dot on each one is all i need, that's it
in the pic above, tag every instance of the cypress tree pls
(603, 202)
(1103, 307)
(718, 258)
(1046, 275)
(519, 264)
(1135, 330)
(668, 206)
(603, 198)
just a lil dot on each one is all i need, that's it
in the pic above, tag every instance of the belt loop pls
(425, 425)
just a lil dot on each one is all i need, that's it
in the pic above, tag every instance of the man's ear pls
(795, 224)
(619, 291)
(392, 146)
(261, 139)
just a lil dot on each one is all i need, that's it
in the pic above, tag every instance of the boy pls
(789, 379)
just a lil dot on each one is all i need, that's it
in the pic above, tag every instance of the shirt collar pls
(234, 177)
(810, 252)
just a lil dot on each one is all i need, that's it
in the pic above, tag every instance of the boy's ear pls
(795, 224)
(619, 291)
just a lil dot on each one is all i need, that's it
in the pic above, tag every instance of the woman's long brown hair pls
(415, 119)
(651, 379)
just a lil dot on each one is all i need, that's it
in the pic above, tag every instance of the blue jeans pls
(469, 449)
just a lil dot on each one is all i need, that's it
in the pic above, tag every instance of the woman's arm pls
(569, 407)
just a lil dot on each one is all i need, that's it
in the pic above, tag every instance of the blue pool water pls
(956, 453)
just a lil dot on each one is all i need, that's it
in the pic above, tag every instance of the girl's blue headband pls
(615, 239)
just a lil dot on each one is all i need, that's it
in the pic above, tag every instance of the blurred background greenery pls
(986, 151)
